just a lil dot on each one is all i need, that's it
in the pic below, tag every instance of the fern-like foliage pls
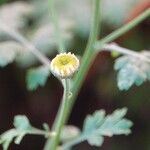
(132, 70)
(98, 125)
(22, 125)
(21, 128)
(16, 14)
(37, 77)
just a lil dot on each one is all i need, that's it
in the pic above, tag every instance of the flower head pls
(64, 65)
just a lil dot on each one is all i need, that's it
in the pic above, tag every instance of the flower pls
(64, 65)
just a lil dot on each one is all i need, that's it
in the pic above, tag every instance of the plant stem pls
(125, 51)
(117, 33)
(60, 41)
(89, 54)
(36, 131)
(60, 119)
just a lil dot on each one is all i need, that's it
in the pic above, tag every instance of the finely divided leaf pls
(93, 121)
(37, 77)
(7, 137)
(131, 71)
(95, 140)
(98, 125)
(22, 127)
(16, 14)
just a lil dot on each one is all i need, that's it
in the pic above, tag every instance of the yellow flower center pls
(64, 65)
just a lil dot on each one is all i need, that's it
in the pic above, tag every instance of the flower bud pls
(64, 65)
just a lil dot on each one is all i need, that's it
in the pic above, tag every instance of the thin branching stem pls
(36, 131)
(53, 142)
(125, 51)
(119, 32)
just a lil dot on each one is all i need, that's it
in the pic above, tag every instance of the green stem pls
(89, 54)
(36, 131)
(60, 119)
(60, 41)
(117, 33)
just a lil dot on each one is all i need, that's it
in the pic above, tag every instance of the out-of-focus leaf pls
(96, 140)
(21, 123)
(131, 71)
(7, 137)
(98, 125)
(74, 9)
(121, 7)
(15, 14)
(37, 77)
(8, 52)
(44, 37)
(69, 132)
(22, 127)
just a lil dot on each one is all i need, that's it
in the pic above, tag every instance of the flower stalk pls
(60, 118)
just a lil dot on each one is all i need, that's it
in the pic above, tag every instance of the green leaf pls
(8, 52)
(18, 12)
(7, 137)
(131, 71)
(21, 122)
(95, 140)
(22, 127)
(19, 137)
(37, 77)
(98, 125)
(69, 132)
(96, 120)
(114, 124)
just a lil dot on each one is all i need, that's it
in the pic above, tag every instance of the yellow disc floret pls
(64, 65)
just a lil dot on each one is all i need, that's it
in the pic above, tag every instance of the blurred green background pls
(100, 91)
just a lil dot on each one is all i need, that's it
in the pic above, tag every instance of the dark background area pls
(99, 91)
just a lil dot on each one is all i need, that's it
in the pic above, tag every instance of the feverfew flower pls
(64, 65)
